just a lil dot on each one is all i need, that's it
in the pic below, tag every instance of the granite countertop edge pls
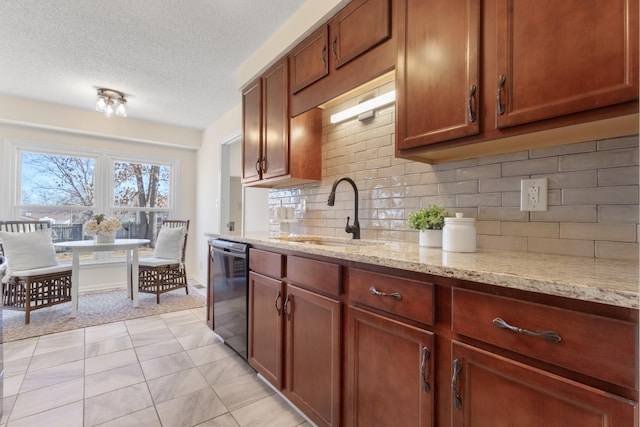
(610, 282)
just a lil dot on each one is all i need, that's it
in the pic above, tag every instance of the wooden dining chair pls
(165, 270)
(31, 276)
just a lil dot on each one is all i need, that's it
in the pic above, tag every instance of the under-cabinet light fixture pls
(369, 105)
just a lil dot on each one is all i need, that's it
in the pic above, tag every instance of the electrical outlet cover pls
(533, 194)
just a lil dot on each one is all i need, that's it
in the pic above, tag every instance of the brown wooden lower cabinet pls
(389, 372)
(295, 342)
(490, 390)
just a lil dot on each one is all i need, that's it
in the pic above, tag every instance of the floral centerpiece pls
(102, 227)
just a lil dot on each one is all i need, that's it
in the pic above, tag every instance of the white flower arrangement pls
(101, 225)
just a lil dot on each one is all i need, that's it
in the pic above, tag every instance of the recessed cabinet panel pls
(309, 61)
(556, 58)
(361, 25)
(489, 390)
(275, 112)
(552, 334)
(251, 131)
(438, 93)
(390, 374)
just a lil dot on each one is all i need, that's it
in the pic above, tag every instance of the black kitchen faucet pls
(355, 228)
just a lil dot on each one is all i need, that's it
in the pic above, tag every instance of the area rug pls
(97, 308)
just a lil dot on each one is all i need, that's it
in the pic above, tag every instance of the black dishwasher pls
(228, 286)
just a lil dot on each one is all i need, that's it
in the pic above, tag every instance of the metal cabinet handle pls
(457, 367)
(550, 336)
(501, 79)
(276, 302)
(426, 354)
(258, 165)
(376, 292)
(470, 103)
(324, 56)
(264, 165)
(286, 307)
(334, 47)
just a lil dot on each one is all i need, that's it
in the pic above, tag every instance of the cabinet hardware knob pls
(457, 367)
(276, 302)
(334, 47)
(376, 292)
(550, 336)
(287, 311)
(426, 354)
(501, 79)
(324, 56)
(470, 102)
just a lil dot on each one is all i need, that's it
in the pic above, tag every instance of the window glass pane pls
(138, 224)
(56, 180)
(141, 185)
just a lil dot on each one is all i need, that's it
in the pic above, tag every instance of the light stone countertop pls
(596, 280)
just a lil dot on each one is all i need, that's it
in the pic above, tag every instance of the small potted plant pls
(429, 221)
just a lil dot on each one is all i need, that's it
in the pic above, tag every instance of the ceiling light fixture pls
(111, 101)
(368, 105)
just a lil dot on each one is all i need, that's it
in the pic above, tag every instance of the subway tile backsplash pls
(593, 191)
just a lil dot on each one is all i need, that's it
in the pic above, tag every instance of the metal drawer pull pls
(287, 311)
(457, 367)
(550, 336)
(276, 302)
(426, 354)
(500, 106)
(376, 292)
(471, 113)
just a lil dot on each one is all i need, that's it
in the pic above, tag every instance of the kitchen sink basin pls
(329, 241)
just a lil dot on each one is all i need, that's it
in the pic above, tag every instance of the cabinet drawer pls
(597, 346)
(267, 263)
(319, 275)
(407, 298)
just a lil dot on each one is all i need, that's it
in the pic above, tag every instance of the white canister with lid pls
(459, 234)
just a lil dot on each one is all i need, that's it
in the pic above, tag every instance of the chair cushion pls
(44, 270)
(154, 262)
(169, 243)
(28, 251)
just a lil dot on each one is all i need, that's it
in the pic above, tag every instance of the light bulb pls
(109, 110)
(121, 109)
(101, 104)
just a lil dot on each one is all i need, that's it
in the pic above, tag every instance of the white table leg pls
(129, 270)
(75, 282)
(134, 276)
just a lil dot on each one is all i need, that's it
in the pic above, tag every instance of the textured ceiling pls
(175, 60)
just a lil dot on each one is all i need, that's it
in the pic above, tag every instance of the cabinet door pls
(559, 58)
(309, 61)
(251, 131)
(389, 372)
(360, 26)
(266, 297)
(275, 112)
(489, 390)
(313, 354)
(437, 71)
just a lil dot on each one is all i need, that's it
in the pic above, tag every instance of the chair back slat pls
(22, 227)
(175, 223)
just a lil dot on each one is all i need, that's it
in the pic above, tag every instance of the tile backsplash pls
(592, 198)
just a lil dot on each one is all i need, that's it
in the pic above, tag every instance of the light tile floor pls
(166, 370)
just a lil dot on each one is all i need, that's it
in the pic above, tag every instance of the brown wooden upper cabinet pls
(472, 71)
(276, 149)
(437, 71)
(324, 65)
(556, 58)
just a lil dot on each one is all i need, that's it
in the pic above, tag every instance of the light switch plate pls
(533, 194)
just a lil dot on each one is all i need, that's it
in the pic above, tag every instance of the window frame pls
(104, 187)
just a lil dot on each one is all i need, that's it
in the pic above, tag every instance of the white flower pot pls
(431, 238)
(105, 238)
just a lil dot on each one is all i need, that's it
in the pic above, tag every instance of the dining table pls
(130, 246)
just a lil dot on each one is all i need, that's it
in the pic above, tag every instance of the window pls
(67, 187)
